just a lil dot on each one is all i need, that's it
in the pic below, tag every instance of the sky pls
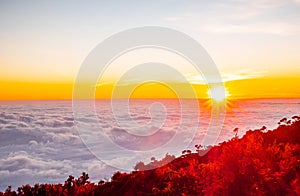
(255, 44)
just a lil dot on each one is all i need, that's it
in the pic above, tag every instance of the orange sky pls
(255, 45)
(237, 89)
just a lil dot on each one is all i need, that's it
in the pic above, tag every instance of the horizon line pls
(152, 98)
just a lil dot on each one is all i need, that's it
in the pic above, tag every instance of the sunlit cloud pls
(243, 74)
(103, 84)
(243, 9)
(262, 28)
(297, 1)
(237, 75)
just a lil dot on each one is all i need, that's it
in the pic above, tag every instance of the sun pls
(218, 93)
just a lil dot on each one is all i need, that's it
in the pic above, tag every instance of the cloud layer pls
(40, 144)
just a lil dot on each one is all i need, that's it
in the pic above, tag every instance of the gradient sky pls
(255, 44)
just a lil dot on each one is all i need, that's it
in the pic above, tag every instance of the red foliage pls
(261, 163)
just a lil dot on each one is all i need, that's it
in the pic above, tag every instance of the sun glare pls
(218, 93)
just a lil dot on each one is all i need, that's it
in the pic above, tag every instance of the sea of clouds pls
(39, 142)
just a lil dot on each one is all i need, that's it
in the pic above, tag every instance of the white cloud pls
(173, 18)
(39, 144)
(242, 16)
